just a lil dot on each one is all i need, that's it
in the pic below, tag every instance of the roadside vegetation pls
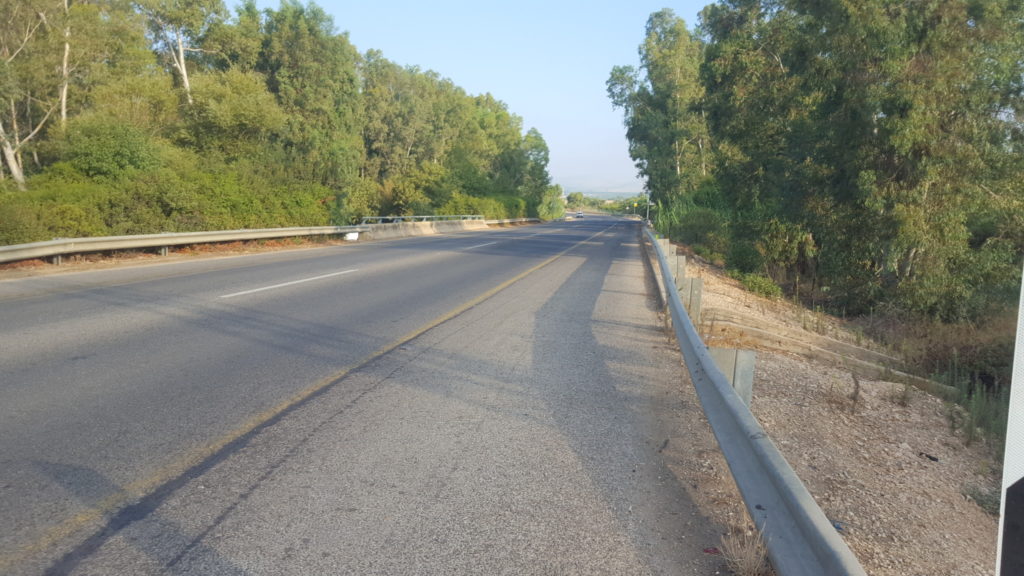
(152, 116)
(863, 159)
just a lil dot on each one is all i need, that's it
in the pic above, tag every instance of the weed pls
(819, 321)
(987, 500)
(855, 395)
(979, 412)
(835, 397)
(974, 358)
(889, 376)
(744, 552)
(901, 394)
(761, 285)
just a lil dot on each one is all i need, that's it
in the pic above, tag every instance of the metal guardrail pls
(514, 221)
(65, 246)
(396, 219)
(801, 540)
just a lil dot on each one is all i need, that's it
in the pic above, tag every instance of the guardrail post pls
(690, 294)
(163, 250)
(738, 367)
(680, 270)
(57, 260)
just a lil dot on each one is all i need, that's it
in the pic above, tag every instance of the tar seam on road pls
(149, 493)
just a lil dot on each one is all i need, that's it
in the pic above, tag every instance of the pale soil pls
(867, 465)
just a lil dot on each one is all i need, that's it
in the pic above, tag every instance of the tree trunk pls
(12, 149)
(179, 63)
(65, 73)
(12, 164)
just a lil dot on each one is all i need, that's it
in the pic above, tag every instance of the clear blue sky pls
(547, 60)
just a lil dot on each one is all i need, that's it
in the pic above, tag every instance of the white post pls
(1010, 558)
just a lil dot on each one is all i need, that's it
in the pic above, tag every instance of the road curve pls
(487, 402)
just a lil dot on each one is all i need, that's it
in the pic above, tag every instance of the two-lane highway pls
(123, 390)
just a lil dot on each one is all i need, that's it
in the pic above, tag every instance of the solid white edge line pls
(479, 245)
(292, 283)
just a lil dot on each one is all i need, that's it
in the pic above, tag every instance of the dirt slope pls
(886, 469)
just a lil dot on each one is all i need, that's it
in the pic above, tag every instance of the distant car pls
(579, 214)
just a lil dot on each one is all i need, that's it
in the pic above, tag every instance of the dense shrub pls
(758, 284)
(105, 148)
(745, 257)
(490, 207)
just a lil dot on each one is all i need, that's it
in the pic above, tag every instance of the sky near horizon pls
(547, 60)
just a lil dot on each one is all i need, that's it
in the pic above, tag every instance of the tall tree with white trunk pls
(177, 26)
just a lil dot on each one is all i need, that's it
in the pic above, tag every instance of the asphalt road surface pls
(482, 403)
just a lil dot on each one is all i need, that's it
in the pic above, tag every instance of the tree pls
(396, 121)
(662, 107)
(536, 179)
(177, 26)
(235, 43)
(232, 113)
(872, 140)
(311, 70)
(22, 82)
(551, 205)
(98, 41)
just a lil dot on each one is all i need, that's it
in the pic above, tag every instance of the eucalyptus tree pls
(662, 107)
(28, 99)
(535, 181)
(99, 41)
(235, 43)
(312, 71)
(177, 27)
(396, 119)
(875, 142)
(921, 124)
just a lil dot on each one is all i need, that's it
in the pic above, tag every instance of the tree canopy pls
(145, 116)
(866, 152)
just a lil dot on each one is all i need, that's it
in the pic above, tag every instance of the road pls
(479, 403)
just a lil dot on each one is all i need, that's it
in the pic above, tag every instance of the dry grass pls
(901, 394)
(744, 552)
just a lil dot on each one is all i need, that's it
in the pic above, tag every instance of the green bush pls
(758, 284)
(744, 256)
(102, 148)
(19, 222)
(491, 207)
(703, 226)
(361, 198)
(515, 207)
(551, 205)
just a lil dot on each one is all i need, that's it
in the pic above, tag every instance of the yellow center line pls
(139, 489)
